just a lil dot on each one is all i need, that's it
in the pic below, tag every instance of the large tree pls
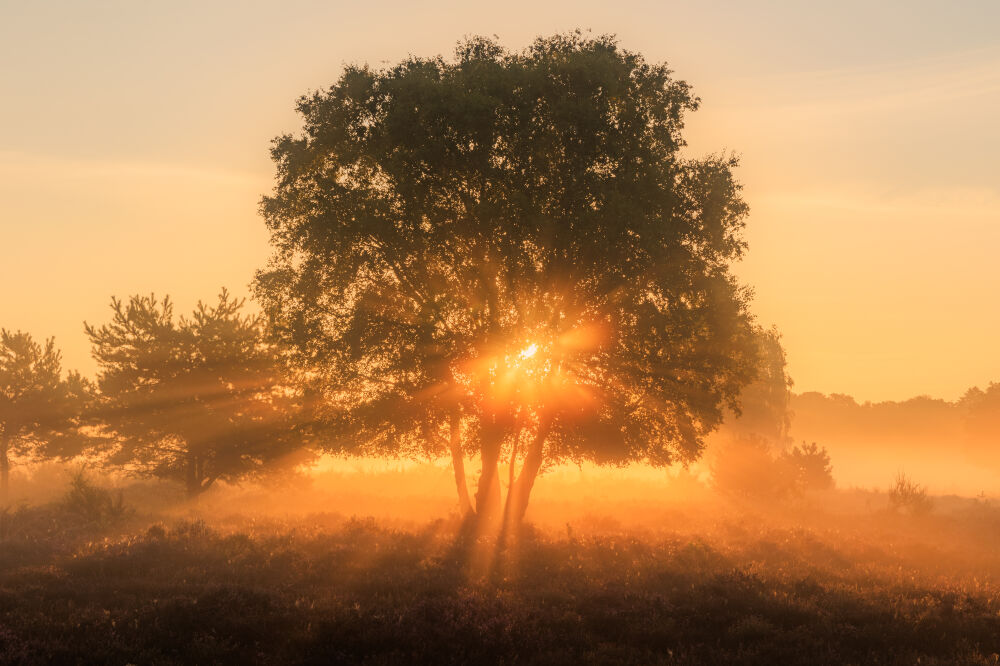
(41, 411)
(195, 399)
(510, 250)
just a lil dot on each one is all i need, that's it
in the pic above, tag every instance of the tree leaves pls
(195, 399)
(436, 213)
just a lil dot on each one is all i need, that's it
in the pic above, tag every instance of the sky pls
(134, 145)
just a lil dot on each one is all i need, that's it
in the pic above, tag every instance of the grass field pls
(741, 587)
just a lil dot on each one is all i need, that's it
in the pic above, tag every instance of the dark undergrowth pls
(328, 590)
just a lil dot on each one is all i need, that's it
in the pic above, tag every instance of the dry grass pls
(742, 588)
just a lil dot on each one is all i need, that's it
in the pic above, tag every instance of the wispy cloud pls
(885, 86)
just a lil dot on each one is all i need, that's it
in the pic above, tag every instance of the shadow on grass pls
(356, 591)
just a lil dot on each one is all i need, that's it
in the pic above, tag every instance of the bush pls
(748, 467)
(745, 467)
(908, 496)
(811, 467)
(93, 504)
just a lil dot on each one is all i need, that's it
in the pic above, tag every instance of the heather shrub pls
(92, 503)
(907, 496)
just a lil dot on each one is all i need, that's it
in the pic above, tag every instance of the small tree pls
(811, 467)
(93, 504)
(748, 455)
(907, 495)
(41, 412)
(764, 403)
(747, 466)
(196, 399)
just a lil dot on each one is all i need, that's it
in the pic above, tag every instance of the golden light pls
(539, 370)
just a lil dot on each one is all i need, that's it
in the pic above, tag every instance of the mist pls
(500, 390)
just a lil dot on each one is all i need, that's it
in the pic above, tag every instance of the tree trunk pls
(488, 492)
(520, 490)
(192, 480)
(513, 461)
(458, 465)
(4, 472)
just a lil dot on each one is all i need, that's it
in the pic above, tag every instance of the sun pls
(529, 351)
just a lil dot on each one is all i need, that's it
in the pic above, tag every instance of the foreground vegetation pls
(86, 580)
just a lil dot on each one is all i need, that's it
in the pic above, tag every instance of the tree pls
(510, 246)
(981, 424)
(764, 403)
(810, 467)
(747, 466)
(41, 412)
(197, 399)
(746, 456)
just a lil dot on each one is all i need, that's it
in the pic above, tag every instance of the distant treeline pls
(950, 441)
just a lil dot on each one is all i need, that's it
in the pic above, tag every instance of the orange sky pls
(134, 137)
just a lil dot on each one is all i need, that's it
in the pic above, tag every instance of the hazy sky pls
(134, 148)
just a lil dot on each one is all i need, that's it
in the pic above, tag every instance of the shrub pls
(810, 464)
(92, 503)
(909, 496)
(748, 467)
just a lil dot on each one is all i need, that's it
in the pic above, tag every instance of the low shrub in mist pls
(750, 467)
(94, 504)
(35, 534)
(905, 495)
(810, 467)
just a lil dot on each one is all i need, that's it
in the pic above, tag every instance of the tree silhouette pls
(811, 467)
(765, 413)
(41, 412)
(508, 251)
(195, 399)
(981, 423)
(764, 403)
(752, 455)
(748, 466)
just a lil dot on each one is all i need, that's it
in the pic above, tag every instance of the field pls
(689, 583)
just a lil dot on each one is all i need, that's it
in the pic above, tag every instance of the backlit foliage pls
(436, 218)
(194, 399)
(41, 412)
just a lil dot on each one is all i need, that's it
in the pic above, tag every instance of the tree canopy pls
(41, 411)
(194, 399)
(511, 243)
